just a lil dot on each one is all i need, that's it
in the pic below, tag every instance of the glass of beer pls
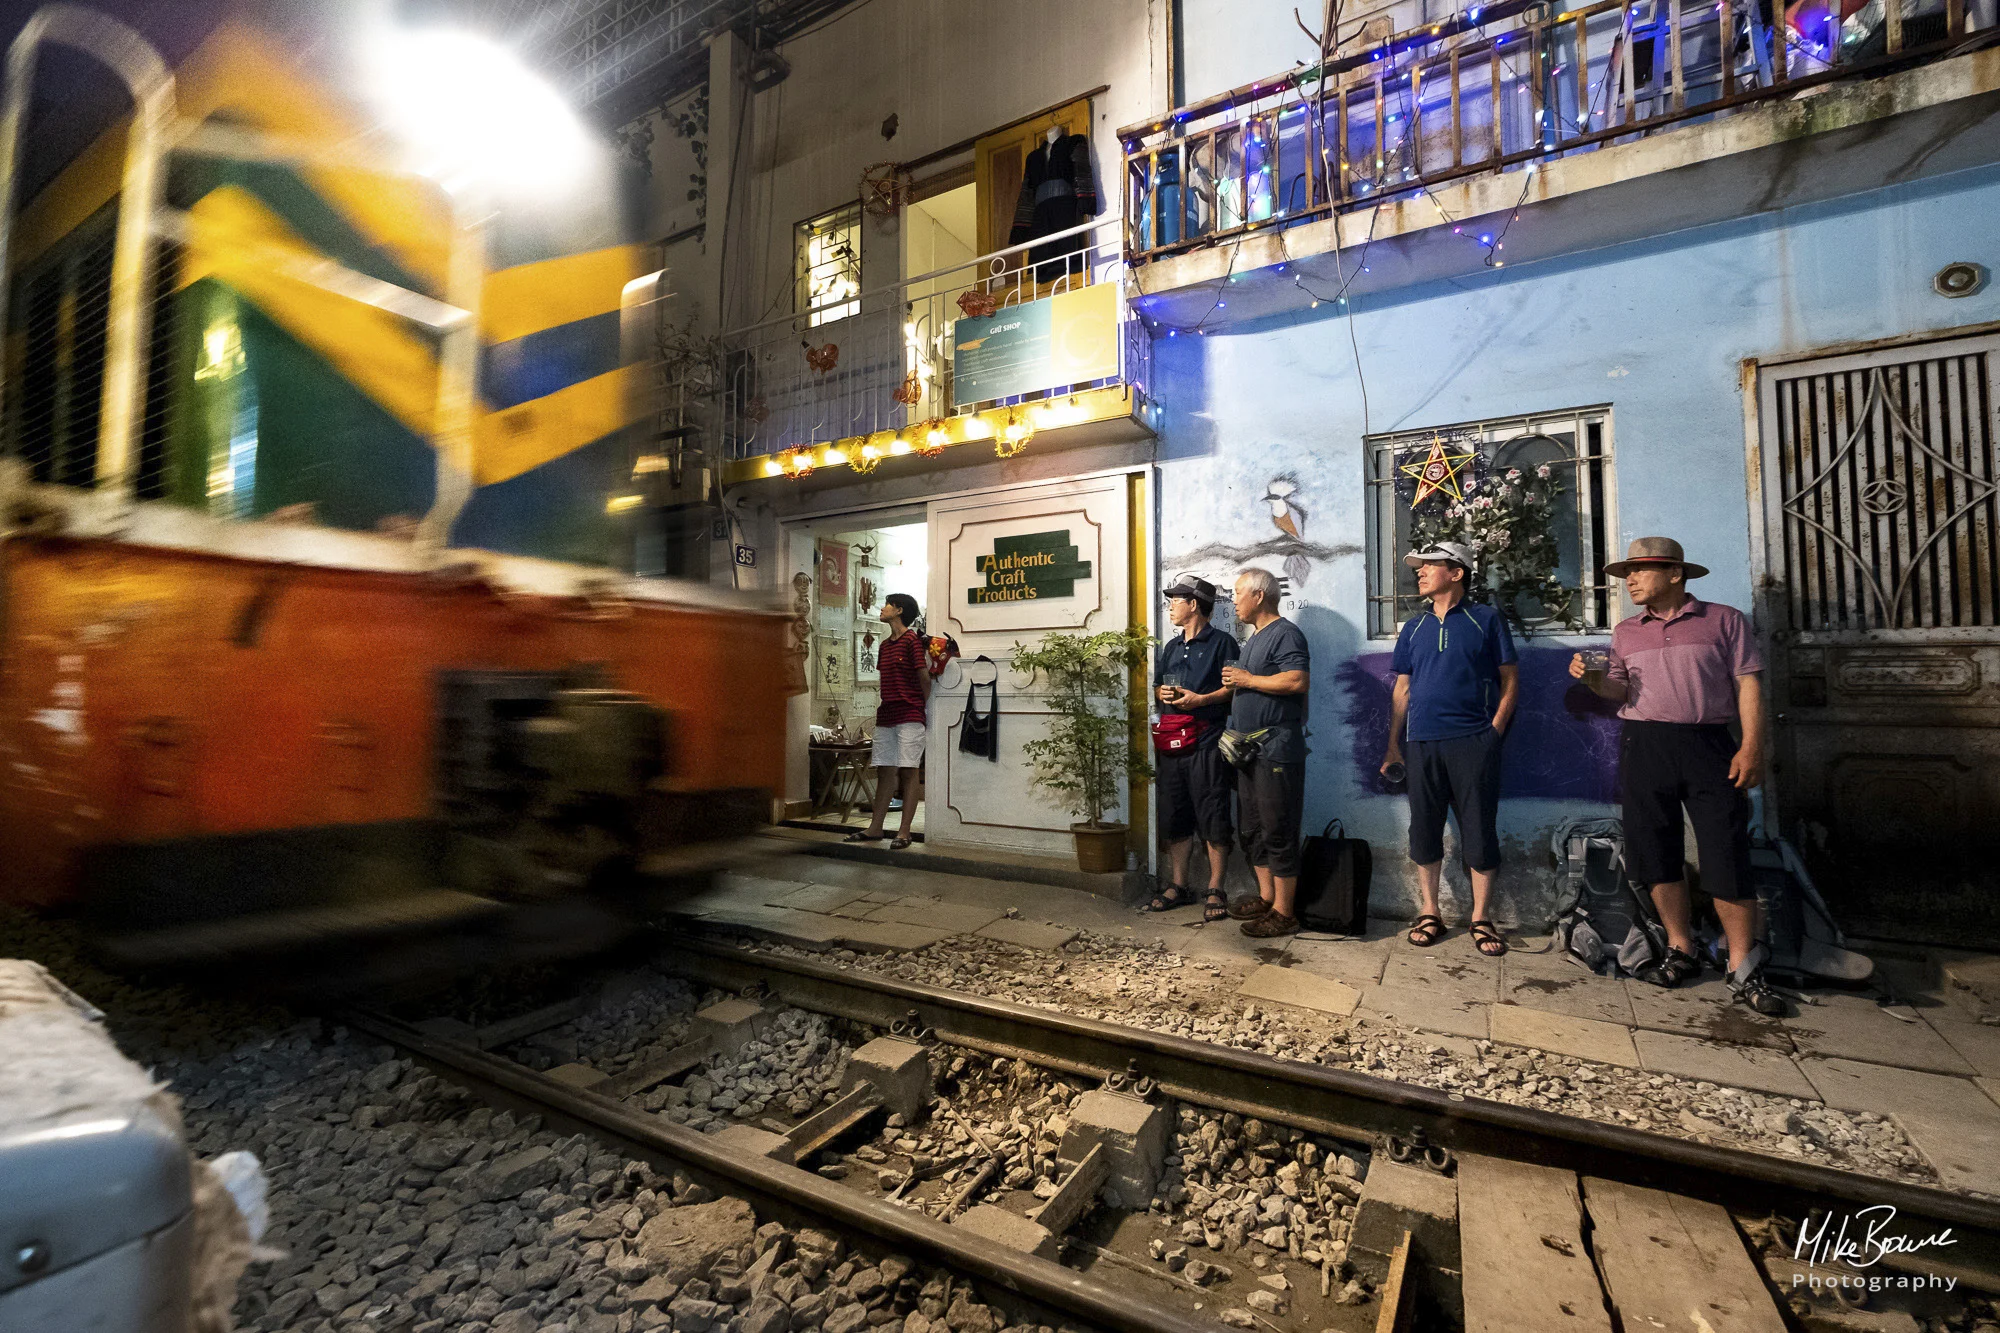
(1174, 681)
(1595, 662)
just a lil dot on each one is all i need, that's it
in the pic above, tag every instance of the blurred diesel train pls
(326, 460)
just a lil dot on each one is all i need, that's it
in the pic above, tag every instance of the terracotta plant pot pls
(1099, 849)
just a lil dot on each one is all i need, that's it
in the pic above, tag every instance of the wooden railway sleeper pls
(1416, 1149)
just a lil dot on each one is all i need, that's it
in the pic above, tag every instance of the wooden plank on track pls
(1520, 1230)
(1674, 1262)
(1396, 1291)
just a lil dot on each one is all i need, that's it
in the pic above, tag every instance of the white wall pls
(948, 72)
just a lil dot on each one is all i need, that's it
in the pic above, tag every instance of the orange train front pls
(320, 507)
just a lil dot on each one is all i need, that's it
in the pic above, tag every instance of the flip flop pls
(863, 835)
(899, 844)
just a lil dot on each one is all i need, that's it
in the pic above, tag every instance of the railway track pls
(1614, 1174)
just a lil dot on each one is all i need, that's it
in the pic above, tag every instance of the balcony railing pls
(790, 383)
(1498, 88)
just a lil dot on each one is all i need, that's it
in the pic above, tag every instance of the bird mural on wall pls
(1286, 512)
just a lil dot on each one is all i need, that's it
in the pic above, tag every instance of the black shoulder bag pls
(979, 735)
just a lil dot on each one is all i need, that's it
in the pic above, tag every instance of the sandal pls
(1176, 895)
(899, 844)
(1485, 934)
(1248, 907)
(1672, 969)
(1426, 930)
(1216, 908)
(1270, 925)
(863, 835)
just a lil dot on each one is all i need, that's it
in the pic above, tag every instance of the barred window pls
(1540, 536)
(828, 265)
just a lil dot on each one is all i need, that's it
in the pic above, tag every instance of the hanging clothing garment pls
(1057, 192)
(980, 735)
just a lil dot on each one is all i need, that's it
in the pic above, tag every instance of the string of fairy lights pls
(1595, 108)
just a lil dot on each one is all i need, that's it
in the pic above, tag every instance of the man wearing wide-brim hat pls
(1684, 673)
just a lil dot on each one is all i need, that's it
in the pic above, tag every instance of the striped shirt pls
(901, 663)
(1683, 668)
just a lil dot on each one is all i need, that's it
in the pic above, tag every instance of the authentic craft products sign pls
(1069, 338)
(1028, 567)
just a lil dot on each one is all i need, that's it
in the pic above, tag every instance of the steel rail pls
(1359, 1107)
(793, 1192)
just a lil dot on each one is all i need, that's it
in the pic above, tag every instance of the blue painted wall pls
(1658, 330)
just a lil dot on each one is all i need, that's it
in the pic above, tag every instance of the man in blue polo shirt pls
(1456, 680)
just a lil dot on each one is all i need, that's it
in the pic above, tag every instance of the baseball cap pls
(1200, 590)
(1456, 552)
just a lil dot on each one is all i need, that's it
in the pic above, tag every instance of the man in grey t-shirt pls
(1269, 704)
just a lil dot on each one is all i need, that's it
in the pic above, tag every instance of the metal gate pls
(1880, 594)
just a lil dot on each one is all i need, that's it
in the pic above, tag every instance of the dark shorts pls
(1663, 767)
(1194, 787)
(1273, 798)
(1460, 776)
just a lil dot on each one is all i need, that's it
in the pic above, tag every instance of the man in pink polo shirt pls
(1683, 671)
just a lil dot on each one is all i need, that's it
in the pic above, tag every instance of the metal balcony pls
(1499, 88)
(868, 376)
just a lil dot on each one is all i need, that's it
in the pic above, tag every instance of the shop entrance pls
(841, 569)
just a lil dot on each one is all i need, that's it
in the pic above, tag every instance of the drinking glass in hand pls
(1595, 662)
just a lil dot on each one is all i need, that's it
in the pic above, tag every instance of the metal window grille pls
(1576, 447)
(829, 265)
(62, 381)
(1888, 489)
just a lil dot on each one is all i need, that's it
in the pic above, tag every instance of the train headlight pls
(473, 115)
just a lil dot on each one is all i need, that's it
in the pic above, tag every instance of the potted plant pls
(1092, 742)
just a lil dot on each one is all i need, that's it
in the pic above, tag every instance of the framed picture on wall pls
(833, 586)
(833, 666)
(866, 641)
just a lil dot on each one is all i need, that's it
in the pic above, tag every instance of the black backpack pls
(1602, 921)
(1334, 871)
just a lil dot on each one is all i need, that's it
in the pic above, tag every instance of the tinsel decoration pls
(910, 390)
(822, 358)
(757, 411)
(1507, 517)
(1014, 435)
(930, 438)
(885, 188)
(976, 304)
(796, 462)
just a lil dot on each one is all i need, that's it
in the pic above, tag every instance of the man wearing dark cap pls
(1457, 675)
(1194, 782)
(1683, 671)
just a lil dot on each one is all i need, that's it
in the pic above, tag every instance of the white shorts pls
(900, 746)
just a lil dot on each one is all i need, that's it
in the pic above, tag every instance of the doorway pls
(841, 569)
(1880, 597)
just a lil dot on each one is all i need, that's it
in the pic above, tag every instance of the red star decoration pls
(1438, 472)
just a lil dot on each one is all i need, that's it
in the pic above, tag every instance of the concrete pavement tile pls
(1549, 983)
(815, 897)
(1028, 934)
(1951, 1121)
(1460, 973)
(1854, 1085)
(1977, 1043)
(1737, 1066)
(1966, 1153)
(1565, 1034)
(938, 916)
(807, 929)
(882, 895)
(1705, 1009)
(756, 888)
(1851, 1027)
(1356, 962)
(888, 936)
(1429, 1010)
(1991, 1087)
(1300, 989)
